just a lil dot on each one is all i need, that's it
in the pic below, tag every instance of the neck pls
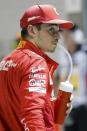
(32, 41)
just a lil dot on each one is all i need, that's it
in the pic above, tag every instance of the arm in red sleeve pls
(33, 96)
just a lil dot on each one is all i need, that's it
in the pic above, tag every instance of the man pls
(74, 40)
(26, 85)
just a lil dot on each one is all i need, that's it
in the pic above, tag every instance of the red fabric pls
(58, 127)
(43, 14)
(25, 90)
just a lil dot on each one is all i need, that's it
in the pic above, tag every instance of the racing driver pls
(26, 74)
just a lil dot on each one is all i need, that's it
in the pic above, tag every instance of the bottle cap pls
(66, 86)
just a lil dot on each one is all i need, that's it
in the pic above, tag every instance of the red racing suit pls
(26, 90)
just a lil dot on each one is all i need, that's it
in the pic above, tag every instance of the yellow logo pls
(56, 11)
(21, 44)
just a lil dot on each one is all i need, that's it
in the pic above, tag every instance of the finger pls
(72, 97)
(69, 106)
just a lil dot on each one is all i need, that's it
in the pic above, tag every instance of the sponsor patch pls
(37, 89)
(21, 44)
(56, 11)
(24, 124)
(34, 82)
(40, 76)
(35, 70)
(4, 65)
(33, 18)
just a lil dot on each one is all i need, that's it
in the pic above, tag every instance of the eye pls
(52, 30)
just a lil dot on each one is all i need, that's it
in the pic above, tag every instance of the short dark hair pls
(24, 31)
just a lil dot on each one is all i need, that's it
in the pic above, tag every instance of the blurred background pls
(12, 10)
(73, 10)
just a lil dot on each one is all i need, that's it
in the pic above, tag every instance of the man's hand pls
(69, 105)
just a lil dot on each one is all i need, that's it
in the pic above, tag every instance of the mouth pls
(55, 43)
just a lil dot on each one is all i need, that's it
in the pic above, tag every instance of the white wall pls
(11, 11)
(10, 14)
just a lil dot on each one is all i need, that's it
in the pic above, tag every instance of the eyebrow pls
(53, 25)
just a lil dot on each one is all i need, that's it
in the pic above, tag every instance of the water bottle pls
(64, 94)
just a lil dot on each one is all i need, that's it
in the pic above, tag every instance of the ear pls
(31, 31)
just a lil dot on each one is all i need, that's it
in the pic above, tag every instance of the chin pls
(51, 50)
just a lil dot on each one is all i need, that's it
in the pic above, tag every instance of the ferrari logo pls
(21, 44)
(56, 11)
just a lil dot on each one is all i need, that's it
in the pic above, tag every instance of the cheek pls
(45, 38)
(45, 41)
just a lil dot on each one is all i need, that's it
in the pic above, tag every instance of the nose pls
(57, 35)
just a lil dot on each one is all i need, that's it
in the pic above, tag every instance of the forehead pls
(51, 25)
